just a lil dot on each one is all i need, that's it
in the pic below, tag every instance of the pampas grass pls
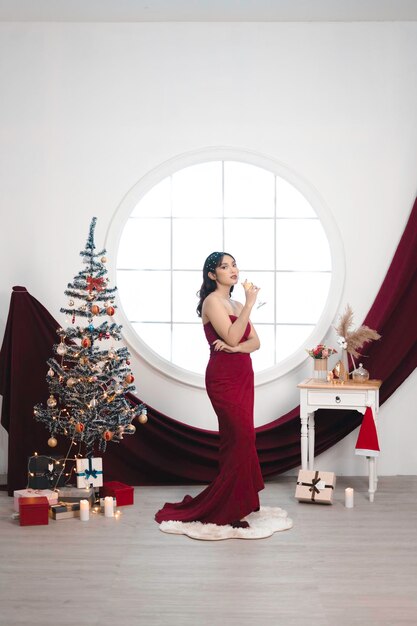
(355, 339)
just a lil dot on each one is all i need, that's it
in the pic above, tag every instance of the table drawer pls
(336, 398)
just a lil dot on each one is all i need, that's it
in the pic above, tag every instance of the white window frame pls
(147, 182)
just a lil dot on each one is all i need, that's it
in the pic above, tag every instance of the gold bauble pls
(103, 259)
(130, 428)
(52, 442)
(51, 402)
(142, 418)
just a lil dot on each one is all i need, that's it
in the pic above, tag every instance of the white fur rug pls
(264, 523)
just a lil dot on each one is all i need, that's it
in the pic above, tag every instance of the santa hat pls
(367, 443)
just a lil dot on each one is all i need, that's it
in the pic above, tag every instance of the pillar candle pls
(108, 506)
(84, 510)
(349, 498)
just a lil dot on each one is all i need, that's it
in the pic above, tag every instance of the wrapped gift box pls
(45, 472)
(64, 510)
(52, 496)
(33, 511)
(124, 494)
(315, 486)
(89, 472)
(74, 494)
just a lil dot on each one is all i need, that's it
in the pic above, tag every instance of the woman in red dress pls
(230, 386)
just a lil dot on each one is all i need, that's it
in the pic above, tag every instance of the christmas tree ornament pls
(79, 427)
(129, 378)
(93, 402)
(107, 335)
(110, 311)
(62, 349)
(86, 342)
(71, 303)
(52, 442)
(103, 259)
(51, 402)
(51, 372)
(95, 309)
(143, 418)
(127, 362)
(130, 428)
(90, 328)
(108, 435)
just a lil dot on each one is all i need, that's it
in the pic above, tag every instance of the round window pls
(171, 222)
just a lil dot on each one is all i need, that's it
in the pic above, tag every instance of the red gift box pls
(33, 511)
(123, 493)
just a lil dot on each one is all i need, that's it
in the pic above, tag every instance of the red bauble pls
(110, 310)
(79, 427)
(127, 362)
(95, 309)
(129, 378)
(86, 342)
(108, 435)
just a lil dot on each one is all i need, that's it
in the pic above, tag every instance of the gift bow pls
(95, 283)
(90, 472)
(313, 485)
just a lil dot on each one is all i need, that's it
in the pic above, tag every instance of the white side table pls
(315, 394)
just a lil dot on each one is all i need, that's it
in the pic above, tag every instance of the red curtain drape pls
(166, 451)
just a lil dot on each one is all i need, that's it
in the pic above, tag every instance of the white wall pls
(88, 109)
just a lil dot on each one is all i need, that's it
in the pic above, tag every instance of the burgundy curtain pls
(165, 451)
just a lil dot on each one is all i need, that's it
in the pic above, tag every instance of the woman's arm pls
(247, 347)
(230, 332)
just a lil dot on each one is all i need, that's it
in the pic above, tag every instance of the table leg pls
(304, 439)
(372, 482)
(311, 440)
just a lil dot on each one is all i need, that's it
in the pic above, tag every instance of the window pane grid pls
(279, 231)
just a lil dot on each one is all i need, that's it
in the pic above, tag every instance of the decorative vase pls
(345, 362)
(320, 369)
(341, 369)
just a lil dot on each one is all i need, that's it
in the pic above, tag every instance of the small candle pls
(349, 497)
(84, 510)
(108, 506)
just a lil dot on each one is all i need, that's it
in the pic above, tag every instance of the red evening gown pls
(234, 492)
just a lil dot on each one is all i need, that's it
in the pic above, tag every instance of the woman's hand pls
(251, 293)
(222, 346)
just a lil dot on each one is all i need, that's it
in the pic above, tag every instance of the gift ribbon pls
(313, 485)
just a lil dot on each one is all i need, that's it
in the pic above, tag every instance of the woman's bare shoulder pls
(210, 303)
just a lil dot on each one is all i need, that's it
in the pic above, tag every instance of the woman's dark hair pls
(209, 285)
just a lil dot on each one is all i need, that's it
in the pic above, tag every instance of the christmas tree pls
(88, 379)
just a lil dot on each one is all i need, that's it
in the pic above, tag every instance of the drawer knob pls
(337, 399)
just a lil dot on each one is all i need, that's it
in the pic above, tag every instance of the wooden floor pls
(336, 567)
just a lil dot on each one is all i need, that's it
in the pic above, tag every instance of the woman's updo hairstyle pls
(213, 261)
